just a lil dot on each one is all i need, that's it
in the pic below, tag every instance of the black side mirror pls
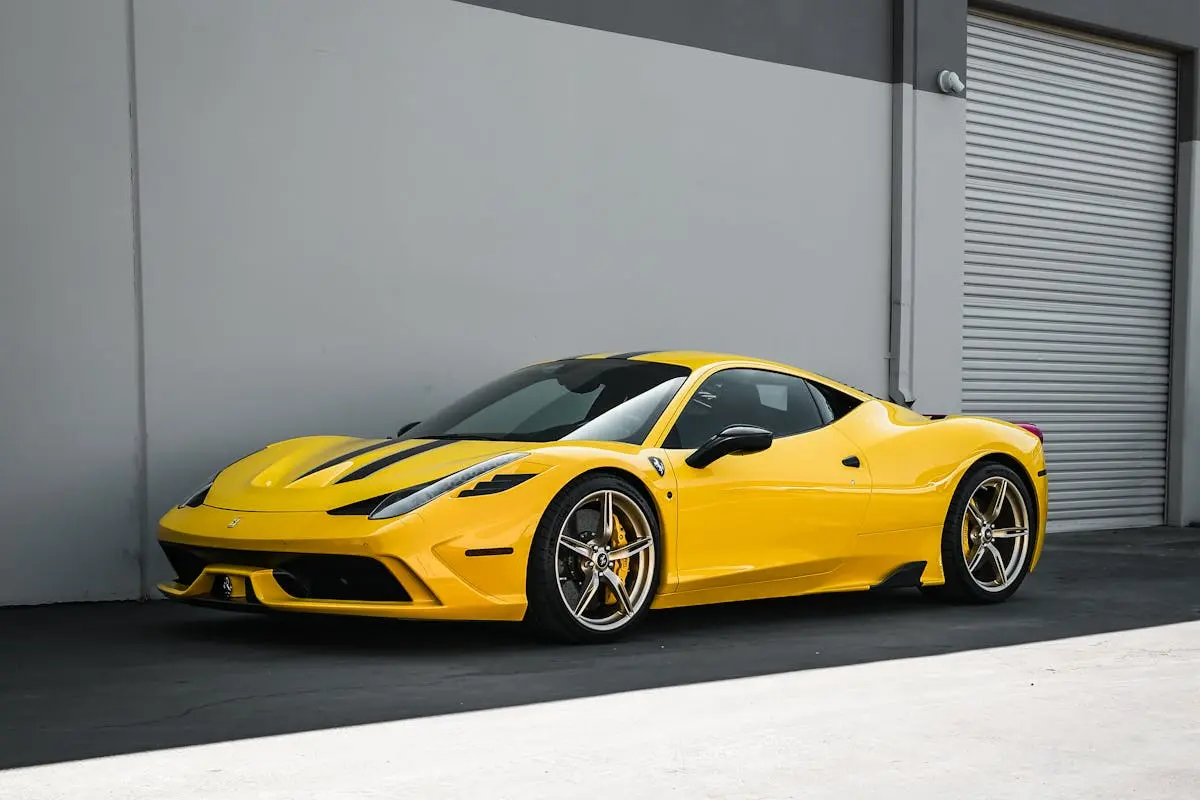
(407, 428)
(734, 440)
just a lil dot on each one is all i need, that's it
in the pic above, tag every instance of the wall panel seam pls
(142, 457)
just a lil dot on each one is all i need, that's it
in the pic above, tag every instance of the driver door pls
(763, 521)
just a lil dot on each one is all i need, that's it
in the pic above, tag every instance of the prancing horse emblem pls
(233, 522)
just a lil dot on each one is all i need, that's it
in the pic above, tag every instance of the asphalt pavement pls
(80, 681)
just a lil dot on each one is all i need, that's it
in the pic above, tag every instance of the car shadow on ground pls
(83, 681)
(303, 636)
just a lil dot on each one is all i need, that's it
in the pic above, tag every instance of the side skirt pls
(905, 576)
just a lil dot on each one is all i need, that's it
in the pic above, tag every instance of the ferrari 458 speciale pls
(580, 493)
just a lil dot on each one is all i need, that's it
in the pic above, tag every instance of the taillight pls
(1034, 429)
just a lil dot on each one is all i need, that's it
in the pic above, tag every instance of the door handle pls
(852, 461)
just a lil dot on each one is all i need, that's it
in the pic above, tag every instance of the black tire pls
(960, 586)
(547, 613)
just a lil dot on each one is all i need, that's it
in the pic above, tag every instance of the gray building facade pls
(225, 223)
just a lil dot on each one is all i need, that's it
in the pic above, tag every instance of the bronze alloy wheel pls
(593, 568)
(989, 536)
(995, 534)
(605, 560)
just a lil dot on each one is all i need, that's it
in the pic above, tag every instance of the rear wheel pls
(593, 568)
(988, 536)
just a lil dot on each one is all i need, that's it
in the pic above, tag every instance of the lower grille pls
(339, 578)
(306, 576)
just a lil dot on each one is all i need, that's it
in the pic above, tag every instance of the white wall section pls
(69, 391)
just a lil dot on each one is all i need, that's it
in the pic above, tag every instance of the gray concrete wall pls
(1183, 506)
(927, 204)
(1169, 22)
(70, 511)
(352, 211)
(1183, 501)
(938, 201)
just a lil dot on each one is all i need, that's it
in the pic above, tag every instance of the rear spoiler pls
(1029, 426)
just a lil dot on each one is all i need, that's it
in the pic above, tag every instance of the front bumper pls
(311, 562)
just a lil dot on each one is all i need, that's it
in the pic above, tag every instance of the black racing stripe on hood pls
(353, 454)
(633, 354)
(387, 461)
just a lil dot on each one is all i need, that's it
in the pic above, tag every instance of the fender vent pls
(494, 486)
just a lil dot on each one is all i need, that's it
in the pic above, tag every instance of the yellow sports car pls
(580, 493)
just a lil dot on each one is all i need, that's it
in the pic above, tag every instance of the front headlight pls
(404, 503)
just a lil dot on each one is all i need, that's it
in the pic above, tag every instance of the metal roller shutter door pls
(1070, 203)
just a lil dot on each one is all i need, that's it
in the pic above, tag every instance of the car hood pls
(319, 473)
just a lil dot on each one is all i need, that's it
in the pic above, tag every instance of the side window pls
(834, 404)
(782, 404)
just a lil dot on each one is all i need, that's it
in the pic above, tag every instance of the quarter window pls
(783, 404)
(834, 404)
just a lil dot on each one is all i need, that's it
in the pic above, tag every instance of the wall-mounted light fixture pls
(950, 83)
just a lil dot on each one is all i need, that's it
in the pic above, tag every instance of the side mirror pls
(407, 428)
(734, 440)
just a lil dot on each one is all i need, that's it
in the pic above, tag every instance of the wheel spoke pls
(575, 546)
(997, 505)
(618, 587)
(998, 560)
(589, 592)
(1010, 533)
(606, 518)
(631, 549)
(974, 559)
(976, 514)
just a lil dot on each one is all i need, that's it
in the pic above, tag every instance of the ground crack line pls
(214, 704)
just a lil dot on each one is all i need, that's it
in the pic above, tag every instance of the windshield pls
(596, 399)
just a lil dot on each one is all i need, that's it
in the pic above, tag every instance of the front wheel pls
(593, 568)
(988, 537)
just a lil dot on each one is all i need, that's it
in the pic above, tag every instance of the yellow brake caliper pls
(621, 568)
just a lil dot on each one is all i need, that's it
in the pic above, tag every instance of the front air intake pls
(306, 576)
(321, 577)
